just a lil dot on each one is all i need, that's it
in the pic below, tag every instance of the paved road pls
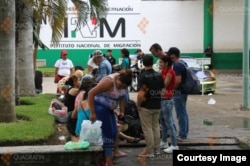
(48, 85)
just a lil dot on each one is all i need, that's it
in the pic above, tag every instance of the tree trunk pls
(24, 46)
(7, 66)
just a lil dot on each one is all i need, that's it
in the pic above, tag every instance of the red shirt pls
(169, 90)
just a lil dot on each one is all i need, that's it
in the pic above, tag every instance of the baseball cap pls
(86, 76)
(97, 53)
(64, 52)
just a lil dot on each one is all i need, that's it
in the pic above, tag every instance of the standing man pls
(150, 84)
(139, 57)
(209, 53)
(63, 67)
(104, 68)
(180, 97)
(139, 54)
(157, 51)
(110, 58)
(92, 66)
(38, 81)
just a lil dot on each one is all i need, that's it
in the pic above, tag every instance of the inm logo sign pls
(92, 30)
(119, 29)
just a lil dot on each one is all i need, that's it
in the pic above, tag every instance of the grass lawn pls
(50, 72)
(34, 124)
(47, 72)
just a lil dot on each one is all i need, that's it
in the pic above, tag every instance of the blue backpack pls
(191, 83)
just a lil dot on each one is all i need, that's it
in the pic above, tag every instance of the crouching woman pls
(103, 100)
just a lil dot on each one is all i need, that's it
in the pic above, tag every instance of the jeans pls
(151, 128)
(109, 127)
(167, 121)
(126, 94)
(180, 102)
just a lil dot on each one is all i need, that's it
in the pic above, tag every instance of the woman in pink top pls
(103, 100)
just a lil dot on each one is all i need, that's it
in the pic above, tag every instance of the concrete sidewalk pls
(224, 120)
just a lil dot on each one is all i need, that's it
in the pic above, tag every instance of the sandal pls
(120, 154)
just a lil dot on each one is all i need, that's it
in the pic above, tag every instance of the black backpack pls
(131, 109)
(134, 126)
(131, 117)
(191, 83)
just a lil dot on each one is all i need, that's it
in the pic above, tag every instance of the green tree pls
(55, 12)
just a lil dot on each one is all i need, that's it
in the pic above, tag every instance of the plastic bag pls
(61, 115)
(59, 111)
(91, 132)
(76, 145)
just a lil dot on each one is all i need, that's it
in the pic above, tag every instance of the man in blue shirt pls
(104, 65)
(180, 97)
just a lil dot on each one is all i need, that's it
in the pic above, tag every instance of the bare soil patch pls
(60, 137)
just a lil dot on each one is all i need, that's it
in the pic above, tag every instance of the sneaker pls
(179, 139)
(163, 145)
(171, 148)
(157, 152)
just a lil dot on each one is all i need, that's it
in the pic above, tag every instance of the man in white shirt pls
(63, 67)
(92, 66)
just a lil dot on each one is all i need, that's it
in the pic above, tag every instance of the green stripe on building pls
(208, 23)
(79, 57)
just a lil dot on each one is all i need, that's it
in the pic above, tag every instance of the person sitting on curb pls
(121, 128)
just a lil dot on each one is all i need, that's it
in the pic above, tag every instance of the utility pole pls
(245, 58)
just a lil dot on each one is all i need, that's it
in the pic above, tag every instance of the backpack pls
(131, 117)
(191, 83)
(134, 126)
(131, 109)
